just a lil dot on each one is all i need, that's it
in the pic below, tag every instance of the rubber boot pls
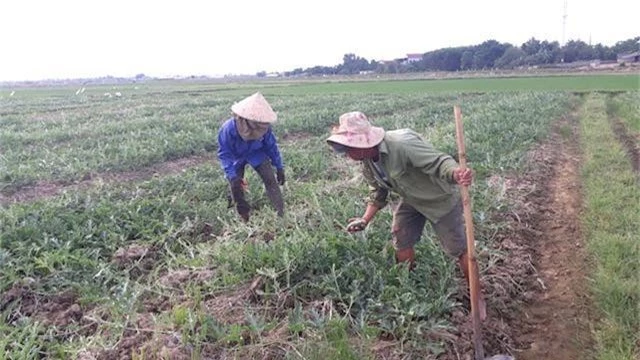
(271, 186)
(237, 193)
(406, 255)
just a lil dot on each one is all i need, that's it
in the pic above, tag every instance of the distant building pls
(633, 57)
(389, 62)
(411, 58)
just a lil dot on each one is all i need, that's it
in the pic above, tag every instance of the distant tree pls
(352, 64)
(548, 53)
(531, 47)
(627, 46)
(487, 53)
(448, 59)
(540, 52)
(294, 72)
(512, 57)
(552, 52)
(466, 61)
(388, 67)
(321, 70)
(406, 68)
(577, 50)
(603, 52)
(261, 73)
(140, 76)
(452, 60)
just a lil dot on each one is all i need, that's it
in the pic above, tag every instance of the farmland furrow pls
(629, 143)
(555, 325)
(626, 138)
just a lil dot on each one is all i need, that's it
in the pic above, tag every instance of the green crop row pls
(612, 212)
(327, 291)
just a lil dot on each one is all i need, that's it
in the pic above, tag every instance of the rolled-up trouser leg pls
(451, 232)
(237, 193)
(271, 186)
(406, 229)
(408, 224)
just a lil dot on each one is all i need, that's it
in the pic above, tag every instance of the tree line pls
(490, 54)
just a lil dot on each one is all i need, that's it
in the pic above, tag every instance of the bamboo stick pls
(471, 256)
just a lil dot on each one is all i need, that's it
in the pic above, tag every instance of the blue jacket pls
(234, 152)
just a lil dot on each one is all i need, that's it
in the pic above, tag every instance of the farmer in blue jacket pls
(247, 138)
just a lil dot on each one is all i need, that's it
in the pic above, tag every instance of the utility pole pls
(564, 22)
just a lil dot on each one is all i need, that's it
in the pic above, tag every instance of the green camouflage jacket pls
(415, 170)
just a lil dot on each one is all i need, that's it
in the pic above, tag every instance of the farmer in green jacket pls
(425, 178)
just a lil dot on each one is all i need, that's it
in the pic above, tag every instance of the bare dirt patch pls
(137, 259)
(130, 254)
(59, 310)
(229, 307)
(177, 278)
(555, 322)
(508, 276)
(145, 335)
(558, 316)
(44, 189)
(135, 339)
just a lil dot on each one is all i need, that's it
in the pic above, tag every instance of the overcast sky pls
(46, 39)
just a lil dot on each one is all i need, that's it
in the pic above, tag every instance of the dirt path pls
(557, 319)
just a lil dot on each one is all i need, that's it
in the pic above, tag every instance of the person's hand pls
(463, 176)
(356, 224)
(280, 176)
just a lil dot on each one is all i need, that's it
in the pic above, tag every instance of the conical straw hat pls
(255, 108)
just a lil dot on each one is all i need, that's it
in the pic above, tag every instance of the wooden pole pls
(471, 255)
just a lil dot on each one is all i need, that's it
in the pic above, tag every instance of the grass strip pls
(611, 217)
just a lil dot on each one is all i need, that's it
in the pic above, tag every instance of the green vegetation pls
(551, 83)
(626, 107)
(160, 259)
(160, 265)
(66, 139)
(612, 200)
(385, 84)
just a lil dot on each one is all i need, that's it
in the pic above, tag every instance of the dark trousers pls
(266, 173)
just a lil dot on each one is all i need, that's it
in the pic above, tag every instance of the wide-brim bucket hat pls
(355, 131)
(256, 108)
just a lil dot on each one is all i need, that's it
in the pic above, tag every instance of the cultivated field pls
(116, 241)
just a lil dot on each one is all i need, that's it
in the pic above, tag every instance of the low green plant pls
(612, 201)
(117, 244)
